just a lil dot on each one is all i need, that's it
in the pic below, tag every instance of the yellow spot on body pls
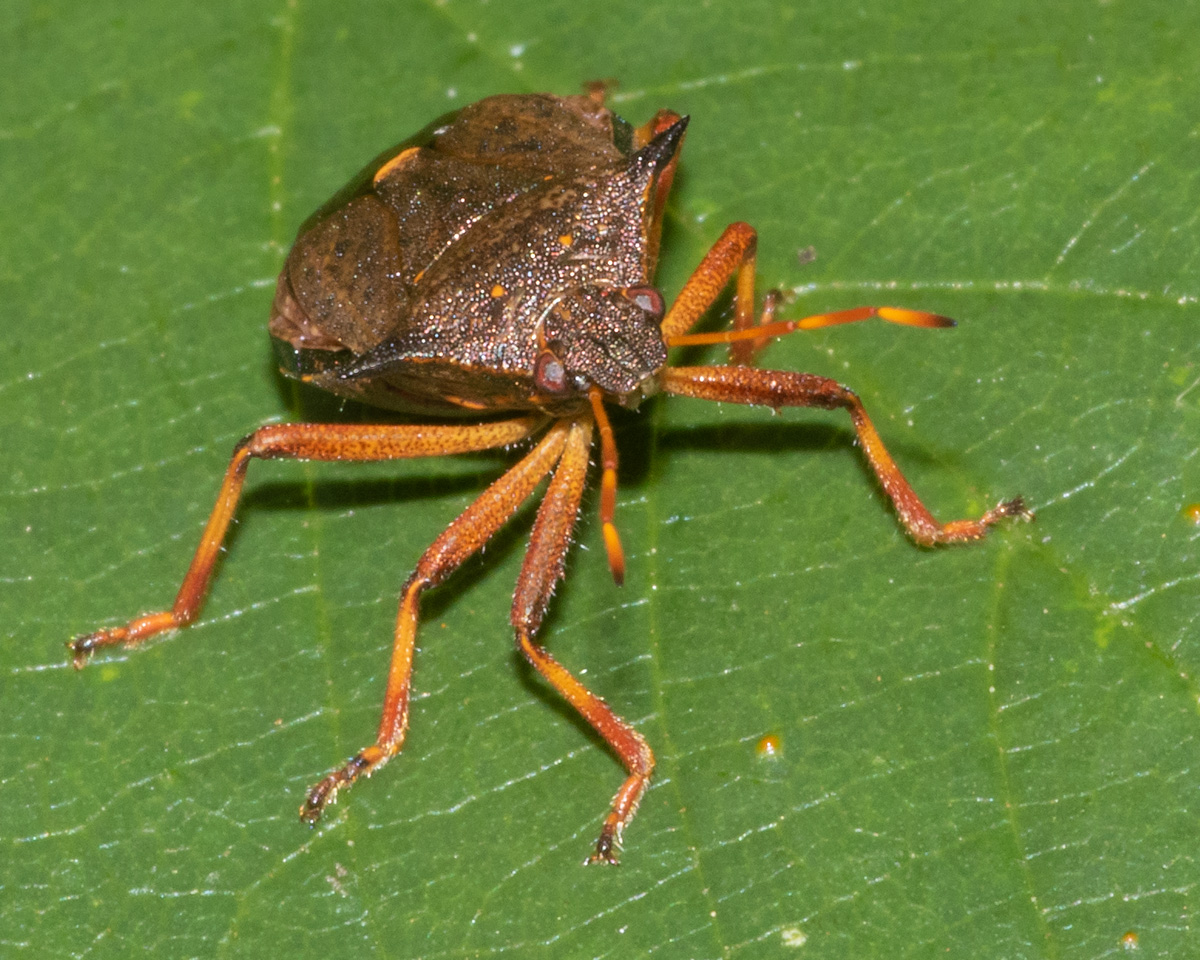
(498, 291)
(566, 239)
(467, 404)
(394, 164)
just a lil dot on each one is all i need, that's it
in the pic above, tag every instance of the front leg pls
(470, 531)
(734, 252)
(542, 569)
(781, 388)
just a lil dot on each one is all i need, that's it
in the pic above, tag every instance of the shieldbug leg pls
(779, 388)
(734, 253)
(608, 488)
(470, 531)
(298, 441)
(542, 569)
(745, 352)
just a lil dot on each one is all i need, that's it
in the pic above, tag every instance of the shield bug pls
(497, 271)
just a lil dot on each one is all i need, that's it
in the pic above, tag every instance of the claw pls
(82, 648)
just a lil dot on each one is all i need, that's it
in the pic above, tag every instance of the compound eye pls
(647, 299)
(549, 373)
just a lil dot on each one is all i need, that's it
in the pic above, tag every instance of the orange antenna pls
(907, 318)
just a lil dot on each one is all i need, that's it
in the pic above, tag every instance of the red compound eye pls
(549, 373)
(647, 298)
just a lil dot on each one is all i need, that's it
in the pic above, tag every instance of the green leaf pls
(986, 751)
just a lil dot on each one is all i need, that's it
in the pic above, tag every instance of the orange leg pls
(608, 488)
(734, 252)
(460, 540)
(777, 388)
(542, 569)
(742, 352)
(299, 441)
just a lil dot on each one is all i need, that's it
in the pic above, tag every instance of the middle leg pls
(473, 528)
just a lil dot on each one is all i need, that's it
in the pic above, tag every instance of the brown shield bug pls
(498, 267)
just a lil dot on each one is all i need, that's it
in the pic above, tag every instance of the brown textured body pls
(500, 264)
(435, 281)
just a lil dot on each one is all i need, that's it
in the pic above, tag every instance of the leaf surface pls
(986, 751)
